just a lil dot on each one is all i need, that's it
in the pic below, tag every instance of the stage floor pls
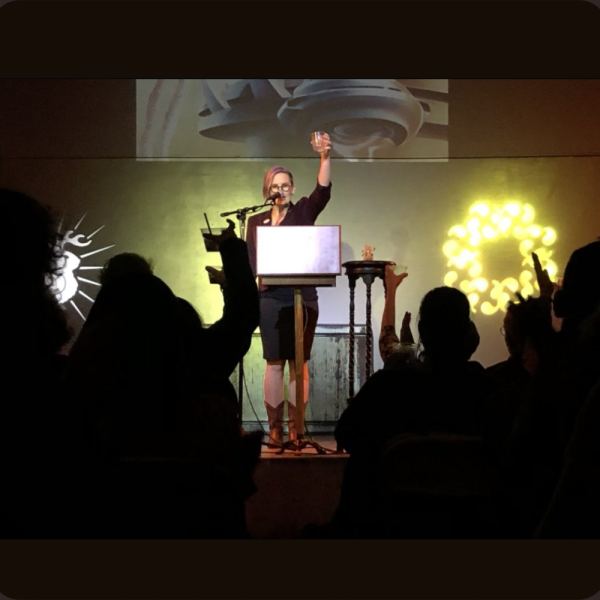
(294, 491)
(326, 441)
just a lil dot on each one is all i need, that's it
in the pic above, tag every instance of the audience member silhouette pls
(573, 511)
(561, 382)
(512, 370)
(530, 339)
(34, 329)
(441, 392)
(124, 265)
(527, 327)
(576, 303)
(157, 396)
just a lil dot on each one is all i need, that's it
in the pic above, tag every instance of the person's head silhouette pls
(580, 292)
(445, 326)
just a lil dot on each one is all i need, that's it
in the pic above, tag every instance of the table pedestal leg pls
(351, 367)
(369, 348)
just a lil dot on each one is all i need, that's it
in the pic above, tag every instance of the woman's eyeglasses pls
(284, 188)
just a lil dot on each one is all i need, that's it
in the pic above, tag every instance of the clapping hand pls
(543, 279)
(406, 336)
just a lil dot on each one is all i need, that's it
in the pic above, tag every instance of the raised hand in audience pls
(226, 234)
(218, 275)
(387, 337)
(392, 281)
(546, 286)
(406, 336)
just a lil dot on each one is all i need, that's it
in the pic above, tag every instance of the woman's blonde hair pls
(270, 175)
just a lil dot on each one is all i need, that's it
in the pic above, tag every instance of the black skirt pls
(277, 328)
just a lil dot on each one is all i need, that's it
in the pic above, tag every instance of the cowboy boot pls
(275, 417)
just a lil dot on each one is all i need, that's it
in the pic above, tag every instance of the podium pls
(297, 256)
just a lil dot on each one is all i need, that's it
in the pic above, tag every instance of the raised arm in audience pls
(388, 338)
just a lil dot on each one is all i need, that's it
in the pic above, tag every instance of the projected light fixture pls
(470, 245)
(361, 115)
(354, 111)
(65, 285)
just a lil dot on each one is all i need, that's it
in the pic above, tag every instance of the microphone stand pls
(240, 214)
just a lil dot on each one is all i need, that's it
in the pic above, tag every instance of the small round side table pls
(368, 271)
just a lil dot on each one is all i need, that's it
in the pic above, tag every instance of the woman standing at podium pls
(277, 302)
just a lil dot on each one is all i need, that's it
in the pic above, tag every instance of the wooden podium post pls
(299, 363)
(299, 256)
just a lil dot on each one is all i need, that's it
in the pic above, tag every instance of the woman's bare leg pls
(273, 382)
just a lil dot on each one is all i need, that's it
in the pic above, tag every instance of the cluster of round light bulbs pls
(487, 223)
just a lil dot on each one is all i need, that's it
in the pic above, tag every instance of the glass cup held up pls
(316, 140)
(210, 245)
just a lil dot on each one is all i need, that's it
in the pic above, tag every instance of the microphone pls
(271, 199)
(229, 212)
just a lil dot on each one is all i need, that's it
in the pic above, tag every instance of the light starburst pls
(65, 285)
